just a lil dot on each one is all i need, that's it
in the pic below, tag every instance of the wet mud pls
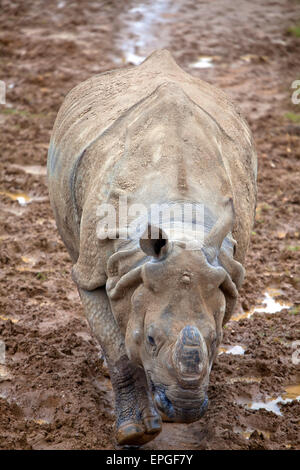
(55, 391)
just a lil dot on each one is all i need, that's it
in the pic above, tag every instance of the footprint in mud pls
(248, 432)
(177, 437)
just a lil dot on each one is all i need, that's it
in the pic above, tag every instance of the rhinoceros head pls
(175, 324)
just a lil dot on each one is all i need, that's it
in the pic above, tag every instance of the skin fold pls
(154, 135)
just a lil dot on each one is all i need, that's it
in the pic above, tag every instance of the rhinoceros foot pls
(138, 420)
(137, 434)
(139, 427)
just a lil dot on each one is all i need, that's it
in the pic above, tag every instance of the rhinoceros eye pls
(154, 339)
(151, 341)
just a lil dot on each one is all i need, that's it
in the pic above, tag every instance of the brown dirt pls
(54, 390)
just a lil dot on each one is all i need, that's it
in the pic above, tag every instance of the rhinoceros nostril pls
(163, 404)
(190, 355)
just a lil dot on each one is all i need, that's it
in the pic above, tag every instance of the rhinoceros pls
(156, 135)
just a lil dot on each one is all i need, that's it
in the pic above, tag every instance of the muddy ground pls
(54, 389)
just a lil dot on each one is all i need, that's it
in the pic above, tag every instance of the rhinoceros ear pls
(222, 227)
(154, 241)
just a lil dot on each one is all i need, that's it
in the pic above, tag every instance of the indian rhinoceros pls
(156, 135)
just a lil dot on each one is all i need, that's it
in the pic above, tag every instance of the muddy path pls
(55, 392)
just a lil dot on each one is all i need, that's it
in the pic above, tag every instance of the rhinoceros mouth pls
(182, 411)
(176, 407)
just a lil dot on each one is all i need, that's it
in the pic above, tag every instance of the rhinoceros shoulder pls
(95, 104)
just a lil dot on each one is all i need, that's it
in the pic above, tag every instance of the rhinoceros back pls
(93, 108)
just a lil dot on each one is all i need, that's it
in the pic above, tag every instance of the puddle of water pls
(247, 433)
(203, 63)
(22, 198)
(271, 305)
(14, 320)
(4, 373)
(29, 263)
(247, 380)
(292, 393)
(141, 32)
(39, 421)
(33, 169)
(235, 350)
(29, 260)
(270, 405)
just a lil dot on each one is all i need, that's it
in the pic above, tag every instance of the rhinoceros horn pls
(190, 355)
(224, 224)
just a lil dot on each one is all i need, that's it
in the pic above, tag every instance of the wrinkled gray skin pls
(154, 134)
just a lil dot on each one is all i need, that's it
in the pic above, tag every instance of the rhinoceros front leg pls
(137, 420)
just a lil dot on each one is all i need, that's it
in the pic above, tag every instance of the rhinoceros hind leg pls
(137, 420)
